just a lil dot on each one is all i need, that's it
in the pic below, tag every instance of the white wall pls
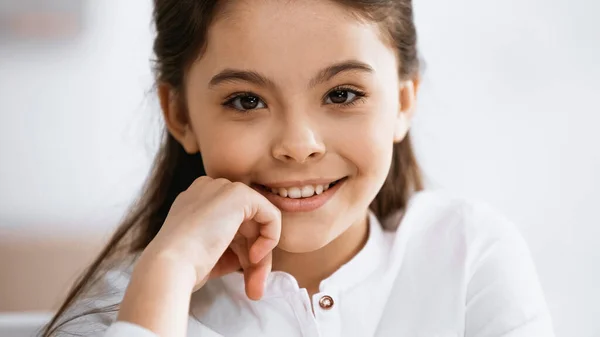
(507, 114)
(73, 119)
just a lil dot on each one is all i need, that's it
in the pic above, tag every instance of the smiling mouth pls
(300, 192)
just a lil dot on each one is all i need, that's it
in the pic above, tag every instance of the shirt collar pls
(365, 263)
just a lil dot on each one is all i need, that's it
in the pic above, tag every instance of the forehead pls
(291, 39)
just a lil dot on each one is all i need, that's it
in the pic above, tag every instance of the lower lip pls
(301, 204)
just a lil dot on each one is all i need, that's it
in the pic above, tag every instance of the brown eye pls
(340, 97)
(249, 102)
(245, 102)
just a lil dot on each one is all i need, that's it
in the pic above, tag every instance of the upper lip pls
(299, 183)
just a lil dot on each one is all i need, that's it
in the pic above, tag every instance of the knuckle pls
(236, 188)
(221, 181)
(181, 196)
(199, 182)
(238, 185)
(202, 179)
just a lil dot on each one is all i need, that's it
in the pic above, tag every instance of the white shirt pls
(452, 268)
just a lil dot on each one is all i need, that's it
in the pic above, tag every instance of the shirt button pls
(326, 302)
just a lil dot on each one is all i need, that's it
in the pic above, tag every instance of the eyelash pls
(228, 103)
(359, 97)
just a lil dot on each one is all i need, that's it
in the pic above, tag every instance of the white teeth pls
(300, 192)
(308, 191)
(283, 192)
(294, 193)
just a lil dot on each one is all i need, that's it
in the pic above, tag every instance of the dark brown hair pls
(181, 29)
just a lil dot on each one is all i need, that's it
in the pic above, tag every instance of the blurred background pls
(509, 113)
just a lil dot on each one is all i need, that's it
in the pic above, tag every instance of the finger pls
(207, 185)
(258, 208)
(261, 248)
(268, 218)
(255, 274)
(199, 183)
(247, 205)
(255, 278)
(239, 246)
(228, 263)
(259, 245)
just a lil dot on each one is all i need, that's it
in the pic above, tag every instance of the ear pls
(175, 119)
(408, 99)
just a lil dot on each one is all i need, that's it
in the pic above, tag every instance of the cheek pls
(230, 150)
(368, 142)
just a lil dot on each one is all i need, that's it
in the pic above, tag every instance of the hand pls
(217, 227)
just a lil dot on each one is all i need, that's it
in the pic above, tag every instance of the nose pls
(298, 142)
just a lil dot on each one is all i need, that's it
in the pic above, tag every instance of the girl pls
(286, 199)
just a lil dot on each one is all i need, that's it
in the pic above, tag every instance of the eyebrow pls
(236, 75)
(338, 68)
(233, 75)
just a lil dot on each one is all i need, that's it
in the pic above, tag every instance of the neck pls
(311, 268)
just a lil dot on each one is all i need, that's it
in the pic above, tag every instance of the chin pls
(298, 245)
(305, 234)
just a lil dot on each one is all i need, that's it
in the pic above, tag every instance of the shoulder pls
(96, 309)
(461, 256)
(457, 234)
(109, 286)
(473, 220)
(492, 263)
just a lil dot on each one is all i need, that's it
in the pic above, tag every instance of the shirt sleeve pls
(95, 314)
(96, 310)
(504, 296)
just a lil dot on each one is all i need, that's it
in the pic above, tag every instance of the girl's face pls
(290, 96)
